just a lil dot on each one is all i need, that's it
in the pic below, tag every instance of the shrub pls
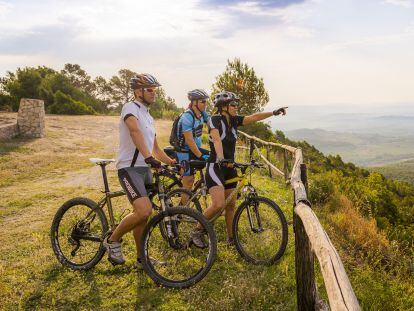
(64, 104)
(321, 188)
(6, 102)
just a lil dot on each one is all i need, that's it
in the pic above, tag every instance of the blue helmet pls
(197, 94)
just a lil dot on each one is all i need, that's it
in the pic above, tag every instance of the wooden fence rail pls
(310, 238)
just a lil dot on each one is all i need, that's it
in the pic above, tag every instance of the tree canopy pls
(72, 91)
(240, 78)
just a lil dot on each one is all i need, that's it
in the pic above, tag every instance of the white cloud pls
(4, 8)
(304, 52)
(403, 3)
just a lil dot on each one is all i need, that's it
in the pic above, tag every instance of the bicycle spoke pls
(260, 232)
(179, 261)
(71, 230)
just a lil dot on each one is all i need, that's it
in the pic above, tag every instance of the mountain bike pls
(80, 224)
(259, 228)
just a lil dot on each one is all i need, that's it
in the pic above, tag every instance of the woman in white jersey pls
(137, 145)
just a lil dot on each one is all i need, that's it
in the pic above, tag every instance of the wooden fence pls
(310, 238)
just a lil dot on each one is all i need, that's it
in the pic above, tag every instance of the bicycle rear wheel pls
(175, 262)
(76, 234)
(260, 231)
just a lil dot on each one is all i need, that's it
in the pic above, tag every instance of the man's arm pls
(189, 140)
(137, 137)
(161, 155)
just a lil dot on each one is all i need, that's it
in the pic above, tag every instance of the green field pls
(37, 176)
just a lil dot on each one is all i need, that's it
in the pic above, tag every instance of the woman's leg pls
(230, 208)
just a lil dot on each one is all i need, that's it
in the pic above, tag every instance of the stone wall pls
(31, 118)
(8, 131)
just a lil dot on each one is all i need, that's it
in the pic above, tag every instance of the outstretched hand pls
(279, 111)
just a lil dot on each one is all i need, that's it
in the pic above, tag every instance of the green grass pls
(47, 172)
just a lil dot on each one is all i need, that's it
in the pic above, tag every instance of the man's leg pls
(137, 231)
(141, 211)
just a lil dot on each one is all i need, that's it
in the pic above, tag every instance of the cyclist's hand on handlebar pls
(281, 111)
(154, 163)
(172, 162)
(226, 163)
(203, 157)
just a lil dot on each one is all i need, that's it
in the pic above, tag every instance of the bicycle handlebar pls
(252, 163)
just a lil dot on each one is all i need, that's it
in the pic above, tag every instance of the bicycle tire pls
(54, 233)
(241, 250)
(146, 260)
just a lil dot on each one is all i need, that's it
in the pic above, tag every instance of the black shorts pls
(217, 176)
(134, 181)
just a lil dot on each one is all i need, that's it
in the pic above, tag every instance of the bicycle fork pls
(254, 217)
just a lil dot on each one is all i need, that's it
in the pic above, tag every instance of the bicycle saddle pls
(99, 161)
(198, 165)
(170, 152)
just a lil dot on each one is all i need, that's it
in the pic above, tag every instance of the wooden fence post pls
(304, 261)
(268, 158)
(285, 165)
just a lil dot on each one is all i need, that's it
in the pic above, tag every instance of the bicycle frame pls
(106, 200)
(242, 181)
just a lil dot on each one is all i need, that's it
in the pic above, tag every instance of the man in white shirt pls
(137, 144)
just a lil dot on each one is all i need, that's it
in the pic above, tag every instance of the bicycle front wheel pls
(76, 234)
(176, 262)
(260, 231)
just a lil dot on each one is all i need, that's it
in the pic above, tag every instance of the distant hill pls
(403, 171)
(366, 149)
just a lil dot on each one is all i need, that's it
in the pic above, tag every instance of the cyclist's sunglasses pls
(149, 90)
(234, 104)
(203, 101)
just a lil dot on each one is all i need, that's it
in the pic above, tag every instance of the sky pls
(309, 52)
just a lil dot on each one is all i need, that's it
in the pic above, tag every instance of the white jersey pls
(128, 153)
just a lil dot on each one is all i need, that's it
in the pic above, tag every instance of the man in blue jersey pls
(189, 131)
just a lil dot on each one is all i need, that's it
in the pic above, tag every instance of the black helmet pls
(143, 80)
(197, 94)
(225, 97)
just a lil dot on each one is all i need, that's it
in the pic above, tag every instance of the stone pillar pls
(31, 118)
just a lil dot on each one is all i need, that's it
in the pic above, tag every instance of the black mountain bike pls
(80, 225)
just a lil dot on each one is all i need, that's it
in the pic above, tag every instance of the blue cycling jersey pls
(188, 122)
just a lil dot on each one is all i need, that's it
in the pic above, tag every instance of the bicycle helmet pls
(197, 94)
(224, 98)
(143, 80)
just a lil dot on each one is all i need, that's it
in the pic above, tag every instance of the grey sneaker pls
(114, 251)
(197, 238)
